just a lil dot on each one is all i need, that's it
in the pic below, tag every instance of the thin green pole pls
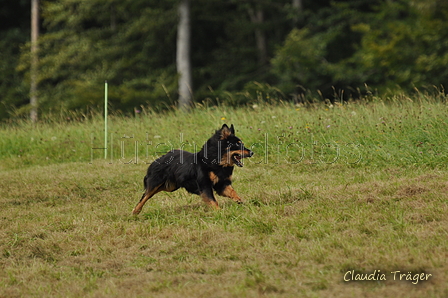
(105, 120)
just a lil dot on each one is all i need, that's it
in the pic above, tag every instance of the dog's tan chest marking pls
(213, 178)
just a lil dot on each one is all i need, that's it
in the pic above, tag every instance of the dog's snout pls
(250, 153)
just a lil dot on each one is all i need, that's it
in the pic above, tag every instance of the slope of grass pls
(335, 190)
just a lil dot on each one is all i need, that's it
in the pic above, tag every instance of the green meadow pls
(334, 193)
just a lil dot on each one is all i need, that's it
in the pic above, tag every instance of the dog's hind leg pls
(149, 193)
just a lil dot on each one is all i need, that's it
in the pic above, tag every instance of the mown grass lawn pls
(332, 190)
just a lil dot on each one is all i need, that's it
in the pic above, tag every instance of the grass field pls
(334, 193)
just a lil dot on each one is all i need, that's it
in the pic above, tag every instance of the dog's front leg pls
(229, 192)
(209, 198)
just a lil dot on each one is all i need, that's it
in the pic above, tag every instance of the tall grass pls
(400, 132)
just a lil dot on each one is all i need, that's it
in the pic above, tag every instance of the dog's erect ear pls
(232, 129)
(225, 131)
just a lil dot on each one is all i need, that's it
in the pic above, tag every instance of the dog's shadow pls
(192, 209)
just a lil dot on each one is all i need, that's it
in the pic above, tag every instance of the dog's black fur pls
(199, 173)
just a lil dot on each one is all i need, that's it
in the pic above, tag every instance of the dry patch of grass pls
(67, 231)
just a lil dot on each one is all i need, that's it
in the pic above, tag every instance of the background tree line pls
(240, 50)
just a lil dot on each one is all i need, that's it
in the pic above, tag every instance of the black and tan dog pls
(199, 173)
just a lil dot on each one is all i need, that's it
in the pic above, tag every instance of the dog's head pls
(231, 147)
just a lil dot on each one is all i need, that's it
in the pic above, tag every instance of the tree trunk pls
(34, 58)
(113, 18)
(183, 56)
(257, 17)
(297, 5)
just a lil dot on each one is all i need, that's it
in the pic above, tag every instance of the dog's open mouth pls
(237, 159)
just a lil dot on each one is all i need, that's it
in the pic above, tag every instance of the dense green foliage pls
(327, 48)
(14, 32)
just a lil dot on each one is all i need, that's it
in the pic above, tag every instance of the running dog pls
(199, 173)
